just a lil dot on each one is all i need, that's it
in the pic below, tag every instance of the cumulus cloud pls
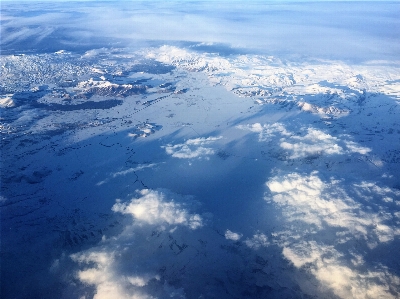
(312, 143)
(329, 267)
(108, 283)
(310, 200)
(327, 213)
(305, 194)
(154, 209)
(192, 148)
(128, 265)
(258, 240)
(230, 235)
(309, 142)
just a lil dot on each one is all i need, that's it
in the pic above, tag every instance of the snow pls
(7, 101)
(166, 171)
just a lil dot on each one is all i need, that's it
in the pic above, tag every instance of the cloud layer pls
(307, 28)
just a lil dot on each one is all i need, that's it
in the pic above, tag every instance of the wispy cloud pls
(126, 171)
(139, 167)
(192, 148)
(306, 28)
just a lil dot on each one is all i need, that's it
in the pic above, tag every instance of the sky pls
(338, 31)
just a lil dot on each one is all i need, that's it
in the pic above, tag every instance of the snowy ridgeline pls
(172, 173)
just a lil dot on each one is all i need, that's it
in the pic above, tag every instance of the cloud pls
(266, 131)
(230, 235)
(309, 142)
(128, 265)
(303, 253)
(328, 266)
(161, 254)
(258, 240)
(310, 200)
(127, 171)
(192, 148)
(327, 213)
(315, 142)
(139, 167)
(369, 190)
(305, 29)
(152, 208)
(355, 148)
(304, 194)
(107, 282)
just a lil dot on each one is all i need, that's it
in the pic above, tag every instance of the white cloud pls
(230, 235)
(127, 171)
(315, 209)
(302, 196)
(258, 240)
(154, 209)
(371, 189)
(128, 265)
(356, 148)
(311, 141)
(104, 276)
(7, 101)
(329, 267)
(192, 148)
(266, 131)
(309, 199)
(303, 253)
(139, 167)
